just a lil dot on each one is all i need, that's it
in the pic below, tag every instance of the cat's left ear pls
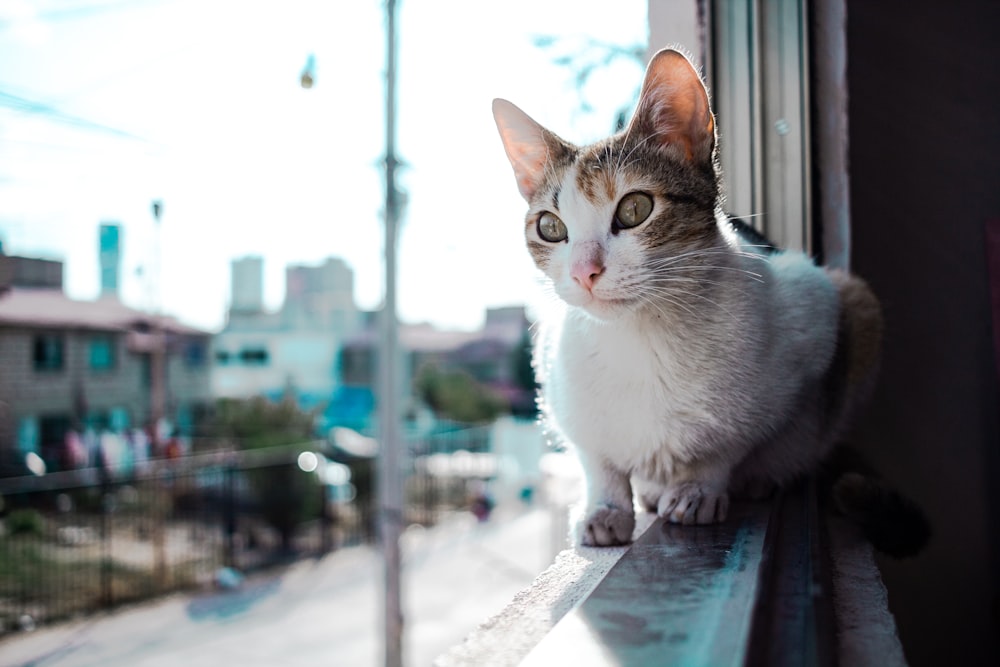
(674, 109)
(529, 146)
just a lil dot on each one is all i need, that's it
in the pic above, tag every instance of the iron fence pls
(78, 541)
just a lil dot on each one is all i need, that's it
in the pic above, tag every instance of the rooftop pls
(52, 308)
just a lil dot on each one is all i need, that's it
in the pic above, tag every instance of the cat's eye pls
(633, 209)
(551, 228)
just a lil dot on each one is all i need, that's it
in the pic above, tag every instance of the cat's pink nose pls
(586, 272)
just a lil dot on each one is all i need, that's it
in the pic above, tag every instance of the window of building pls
(28, 438)
(194, 354)
(102, 352)
(48, 352)
(222, 357)
(254, 356)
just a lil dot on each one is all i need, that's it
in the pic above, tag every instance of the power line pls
(24, 105)
(77, 11)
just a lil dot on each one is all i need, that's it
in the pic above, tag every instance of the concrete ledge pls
(863, 630)
(866, 630)
(505, 639)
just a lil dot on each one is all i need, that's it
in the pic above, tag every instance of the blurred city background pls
(191, 290)
(194, 211)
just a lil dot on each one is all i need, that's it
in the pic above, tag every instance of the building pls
(77, 365)
(491, 355)
(294, 349)
(110, 257)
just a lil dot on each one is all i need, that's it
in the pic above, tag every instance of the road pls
(320, 612)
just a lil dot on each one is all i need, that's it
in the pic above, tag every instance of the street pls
(325, 612)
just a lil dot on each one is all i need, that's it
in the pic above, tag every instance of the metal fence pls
(78, 541)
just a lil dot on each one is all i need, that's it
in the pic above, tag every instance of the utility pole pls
(390, 487)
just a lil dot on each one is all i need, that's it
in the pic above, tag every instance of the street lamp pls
(308, 76)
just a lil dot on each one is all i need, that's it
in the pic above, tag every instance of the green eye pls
(551, 228)
(633, 209)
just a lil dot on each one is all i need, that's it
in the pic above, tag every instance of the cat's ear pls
(529, 146)
(674, 109)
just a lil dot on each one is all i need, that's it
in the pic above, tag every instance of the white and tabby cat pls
(689, 361)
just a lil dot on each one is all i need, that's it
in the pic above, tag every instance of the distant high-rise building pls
(248, 285)
(295, 348)
(320, 296)
(110, 257)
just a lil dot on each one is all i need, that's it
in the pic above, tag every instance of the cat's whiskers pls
(713, 251)
(680, 282)
(684, 268)
(673, 268)
(741, 217)
(674, 294)
(661, 280)
(657, 304)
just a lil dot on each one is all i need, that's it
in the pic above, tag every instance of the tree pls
(288, 496)
(257, 423)
(591, 57)
(456, 395)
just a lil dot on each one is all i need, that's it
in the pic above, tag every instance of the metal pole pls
(390, 478)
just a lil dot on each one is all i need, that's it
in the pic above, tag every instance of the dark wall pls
(924, 84)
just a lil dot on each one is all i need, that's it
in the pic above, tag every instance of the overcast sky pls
(106, 105)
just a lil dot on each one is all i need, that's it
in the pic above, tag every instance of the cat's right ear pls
(674, 109)
(529, 146)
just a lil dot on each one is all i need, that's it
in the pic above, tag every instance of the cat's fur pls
(689, 361)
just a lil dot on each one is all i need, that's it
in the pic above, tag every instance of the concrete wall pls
(40, 391)
(25, 391)
(924, 90)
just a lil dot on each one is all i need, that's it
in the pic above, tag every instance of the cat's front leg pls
(609, 518)
(696, 494)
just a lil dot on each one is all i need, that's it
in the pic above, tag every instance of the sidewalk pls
(325, 612)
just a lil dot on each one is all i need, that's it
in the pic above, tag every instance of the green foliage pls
(287, 495)
(592, 57)
(258, 423)
(25, 522)
(456, 395)
(25, 565)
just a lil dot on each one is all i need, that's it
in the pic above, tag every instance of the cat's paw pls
(608, 527)
(693, 502)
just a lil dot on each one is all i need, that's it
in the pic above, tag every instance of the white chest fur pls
(621, 391)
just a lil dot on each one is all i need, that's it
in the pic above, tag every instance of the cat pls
(690, 360)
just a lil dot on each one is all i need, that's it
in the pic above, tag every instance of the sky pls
(108, 105)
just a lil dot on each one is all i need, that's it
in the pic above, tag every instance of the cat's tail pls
(894, 524)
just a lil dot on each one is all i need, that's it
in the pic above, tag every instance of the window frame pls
(39, 351)
(112, 349)
(759, 73)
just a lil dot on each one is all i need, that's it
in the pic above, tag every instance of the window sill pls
(777, 583)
